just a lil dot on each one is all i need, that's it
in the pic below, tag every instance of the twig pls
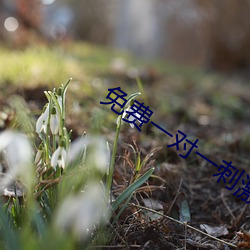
(173, 202)
(227, 207)
(239, 217)
(183, 223)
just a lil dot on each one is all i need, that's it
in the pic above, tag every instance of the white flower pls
(79, 214)
(17, 152)
(101, 155)
(54, 121)
(129, 118)
(42, 122)
(59, 158)
(98, 152)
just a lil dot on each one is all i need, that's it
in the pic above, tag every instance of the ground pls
(207, 106)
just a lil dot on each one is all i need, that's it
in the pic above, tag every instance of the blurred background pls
(212, 34)
(193, 60)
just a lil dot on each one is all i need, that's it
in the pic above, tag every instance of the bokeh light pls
(11, 24)
(48, 2)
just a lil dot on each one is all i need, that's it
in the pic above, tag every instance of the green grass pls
(36, 65)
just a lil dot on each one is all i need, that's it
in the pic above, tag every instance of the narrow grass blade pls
(128, 191)
(10, 236)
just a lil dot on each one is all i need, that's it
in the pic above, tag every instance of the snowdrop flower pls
(42, 122)
(79, 214)
(54, 121)
(59, 157)
(129, 118)
(17, 152)
(98, 152)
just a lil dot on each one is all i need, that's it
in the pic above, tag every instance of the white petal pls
(44, 127)
(5, 139)
(19, 151)
(101, 155)
(42, 121)
(54, 124)
(18, 155)
(79, 214)
(77, 148)
(62, 161)
(59, 99)
(46, 113)
(39, 123)
(55, 156)
(125, 112)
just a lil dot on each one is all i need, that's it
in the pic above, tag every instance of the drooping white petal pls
(18, 151)
(54, 124)
(98, 152)
(42, 121)
(59, 157)
(80, 213)
(5, 139)
(44, 127)
(39, 123)
(63, 159)
(125, 112)
(101, 155)
(77, 148)
(18, 156)
(55, 156)
(130, 117)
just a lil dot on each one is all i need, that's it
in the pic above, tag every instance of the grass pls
(179, 97)
(43, 64)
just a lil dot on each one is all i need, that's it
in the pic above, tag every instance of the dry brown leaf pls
(245, 236)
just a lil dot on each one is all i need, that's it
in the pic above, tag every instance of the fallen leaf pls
(152, 204)
(215, 231)
(245, 236)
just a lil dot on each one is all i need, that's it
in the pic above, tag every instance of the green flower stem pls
(52, 95)
(112, 164)
(47, 140)
(54, 142)
(65, 87)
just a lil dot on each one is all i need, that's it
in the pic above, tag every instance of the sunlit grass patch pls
(37, 65)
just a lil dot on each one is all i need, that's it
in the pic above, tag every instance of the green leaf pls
(129, 190)
(122, 209)
(10, 236)
(138, 163)
(39, 222)
(184, 212)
